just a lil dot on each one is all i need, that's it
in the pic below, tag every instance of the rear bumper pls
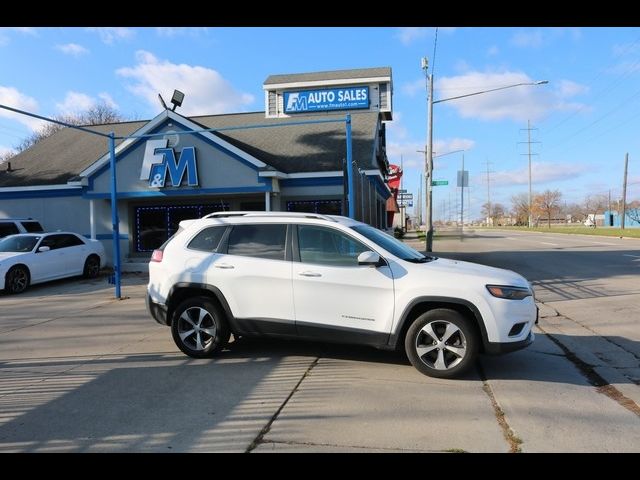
(157, 310)
(498, 348)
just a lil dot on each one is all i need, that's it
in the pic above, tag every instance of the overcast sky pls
(586, 118)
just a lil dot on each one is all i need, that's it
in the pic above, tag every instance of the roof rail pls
(269, 214)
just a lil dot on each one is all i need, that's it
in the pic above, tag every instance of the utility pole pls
(419, 204)
(462, 195)
(488, 193)
(529, 154)
(609, 210)
(624, 190)
(429, 160)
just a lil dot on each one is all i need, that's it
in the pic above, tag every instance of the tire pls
(17, 279)
(442, 343)
(91, 267)
(199, 327)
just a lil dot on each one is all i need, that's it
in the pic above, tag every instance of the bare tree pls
(548, 203)
(633, 211)
(98, 114)
(520, 208)
(497, 211)
(594, 204)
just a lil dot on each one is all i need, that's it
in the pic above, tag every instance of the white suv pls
(332, 278)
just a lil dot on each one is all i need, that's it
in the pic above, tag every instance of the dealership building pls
(291, 157)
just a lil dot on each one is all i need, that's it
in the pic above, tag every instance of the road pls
(83, 372)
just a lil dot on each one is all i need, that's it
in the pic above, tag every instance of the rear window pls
(32, 227)
(261, 241)
(7, 228)
(208, 239)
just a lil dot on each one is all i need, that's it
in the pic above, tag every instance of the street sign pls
(463, 178)
(440, 182)
(405, 196)
(402, 190)
(406, 203)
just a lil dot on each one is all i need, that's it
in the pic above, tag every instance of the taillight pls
(156, 256)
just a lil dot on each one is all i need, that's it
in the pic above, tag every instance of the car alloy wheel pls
(91, 267)
(17, 280)
(442, 343)
(199, 327)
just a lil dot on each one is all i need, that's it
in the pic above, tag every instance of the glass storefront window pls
(155, 224)
(326, 207)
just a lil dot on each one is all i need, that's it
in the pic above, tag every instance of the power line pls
(435, 46)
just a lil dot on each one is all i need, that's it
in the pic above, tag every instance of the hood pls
(488, 275)
(5, 255)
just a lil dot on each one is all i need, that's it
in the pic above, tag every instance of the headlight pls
(510, 293)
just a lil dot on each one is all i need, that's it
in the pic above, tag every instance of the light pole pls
(429, 154)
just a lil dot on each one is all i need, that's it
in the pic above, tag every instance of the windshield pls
(392, 245)
(18, 243)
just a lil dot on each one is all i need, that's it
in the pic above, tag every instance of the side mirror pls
(370, 258)
(44, 249)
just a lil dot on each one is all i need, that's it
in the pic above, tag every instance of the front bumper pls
(157, 310)
(498, 348)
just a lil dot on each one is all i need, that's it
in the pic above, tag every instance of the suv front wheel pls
(441, 343)
(199, 327)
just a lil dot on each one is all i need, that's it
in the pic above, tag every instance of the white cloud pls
(26, 30)
(631, 48)
(175, 31)
(108, 100)
(12, 97)
(5, 39)
(528, 39)
(206, 91)
(518, 103)
(5, 150)
(408, 35)
(441, 147)
(542, 37)
(542, 172)
(567, 88)
(76, 102)
(492, 51)
(72, 49)
(414, 87)
(447, 30)
(109, 35)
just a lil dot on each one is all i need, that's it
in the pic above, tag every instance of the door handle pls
(223, 265)
(310, 274)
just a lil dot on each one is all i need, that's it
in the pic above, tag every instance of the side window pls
(32, 227)
(261, 241)
(8, 229)
(325, 246)
(208, 239)
(52, 241)
(68, 241)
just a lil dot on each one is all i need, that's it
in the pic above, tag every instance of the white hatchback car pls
(29, 258)
(332, 278)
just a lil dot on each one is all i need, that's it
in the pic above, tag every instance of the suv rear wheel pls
(441, 343)
(199, 327)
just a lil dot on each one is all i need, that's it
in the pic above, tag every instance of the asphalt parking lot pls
(83, 372)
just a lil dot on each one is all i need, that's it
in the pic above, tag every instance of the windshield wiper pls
(424, 259)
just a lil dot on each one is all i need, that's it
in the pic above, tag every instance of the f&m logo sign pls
(160, 160)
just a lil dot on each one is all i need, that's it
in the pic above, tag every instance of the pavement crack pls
(595, 379)
(267, 427)
(509, 435)
(594, 332)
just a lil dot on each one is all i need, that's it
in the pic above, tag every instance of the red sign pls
(395, 174)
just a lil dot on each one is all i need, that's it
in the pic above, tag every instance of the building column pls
(267, 201)
(92, 218)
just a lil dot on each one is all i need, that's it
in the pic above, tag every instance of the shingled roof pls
(331, 75)
(296, 148)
